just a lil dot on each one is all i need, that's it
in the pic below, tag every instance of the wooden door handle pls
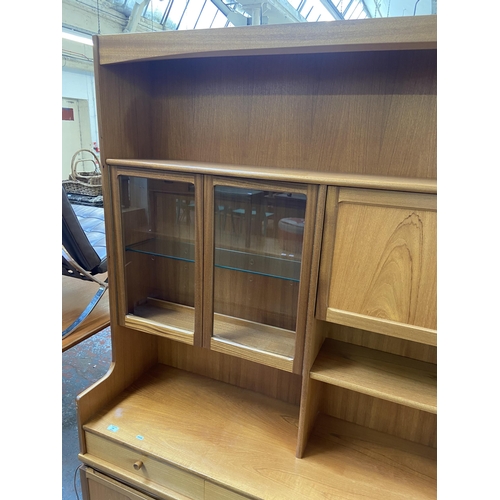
(138, 465)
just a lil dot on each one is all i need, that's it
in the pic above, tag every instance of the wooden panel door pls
(379, 263)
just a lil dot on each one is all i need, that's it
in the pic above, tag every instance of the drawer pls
(146, 470)
(99, 487)
(215, 492)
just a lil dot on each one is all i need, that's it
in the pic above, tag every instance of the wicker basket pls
(78, 187)
(84, 182)
(90, 177)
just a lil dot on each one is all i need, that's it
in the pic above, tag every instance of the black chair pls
(83, 251)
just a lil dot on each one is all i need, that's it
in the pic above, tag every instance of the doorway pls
(75, 131)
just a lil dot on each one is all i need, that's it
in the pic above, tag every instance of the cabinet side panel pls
(358, 113)
(232, 370)
(124, 102)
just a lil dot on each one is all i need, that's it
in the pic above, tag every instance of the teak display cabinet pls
(270, 200)
(203, 258)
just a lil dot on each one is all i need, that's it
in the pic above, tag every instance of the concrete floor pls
(82, 365)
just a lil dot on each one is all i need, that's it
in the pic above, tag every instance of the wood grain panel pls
(152, 470)
(123, 95)
(283, 175)
(232, 370)
(384, 416)
(263, 357)
(256, 298)
(375, 373)
(384, 264)
(401, 347)
(312, 394)
(368, 34)
(421, 463)
(245, 442)
(294, 111)
(214, 492)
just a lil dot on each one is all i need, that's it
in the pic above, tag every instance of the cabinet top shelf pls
(400, 33)
(410, 184)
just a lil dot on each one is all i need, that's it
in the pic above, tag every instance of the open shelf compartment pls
(379, 374)
(253, 451)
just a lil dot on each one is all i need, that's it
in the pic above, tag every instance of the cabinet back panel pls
(393, 345)
(232, 370)
(371, 113)
(378, 414)
(256, 298)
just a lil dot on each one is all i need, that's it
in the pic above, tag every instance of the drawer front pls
(100, 487)
(145, 469)
(215, 492)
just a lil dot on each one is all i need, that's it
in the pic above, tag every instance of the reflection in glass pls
(258, 251)
(158, 224)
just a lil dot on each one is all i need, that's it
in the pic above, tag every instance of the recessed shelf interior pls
(379, 374)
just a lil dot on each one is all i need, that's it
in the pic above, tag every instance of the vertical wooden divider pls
(330, 222)
(311, 391)
(305, 276)
(199, 260)
(208, 260)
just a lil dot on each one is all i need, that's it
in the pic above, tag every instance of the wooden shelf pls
(411, 184)
(379, 374)
(159, 317)
(245, 441)
(255, 335)
(253, 341)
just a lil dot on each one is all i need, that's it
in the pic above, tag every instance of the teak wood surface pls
(366, 35)
(250, 446)
(378, 374)
(383, 268)
(332, 105)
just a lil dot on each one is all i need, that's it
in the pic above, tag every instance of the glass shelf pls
(263, 265)
(159, 247)
(246, 262)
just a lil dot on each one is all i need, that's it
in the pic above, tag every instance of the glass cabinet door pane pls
(258, 237)
(158, 228)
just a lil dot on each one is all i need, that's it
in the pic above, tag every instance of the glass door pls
(258, 237)
(161, 242)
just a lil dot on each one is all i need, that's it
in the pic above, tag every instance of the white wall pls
(78, 84)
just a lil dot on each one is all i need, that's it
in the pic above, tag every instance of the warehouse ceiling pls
(155, 15)
(83, 18)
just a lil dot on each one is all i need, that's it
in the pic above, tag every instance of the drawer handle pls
(138, 465)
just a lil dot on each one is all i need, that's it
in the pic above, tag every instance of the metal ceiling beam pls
(135, 16)
(332, 9)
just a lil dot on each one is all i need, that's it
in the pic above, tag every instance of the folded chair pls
(83, 256)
